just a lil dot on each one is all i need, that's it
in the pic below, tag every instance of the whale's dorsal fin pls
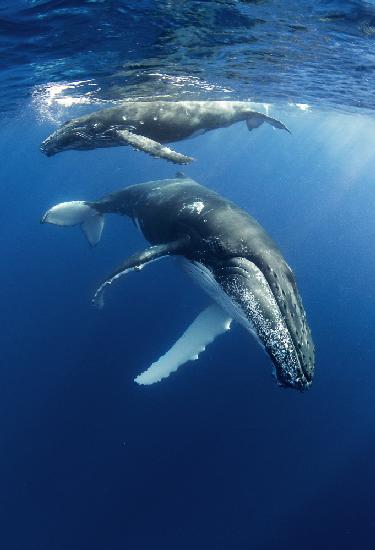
(137, 261)
(152, 147)
(209, 324)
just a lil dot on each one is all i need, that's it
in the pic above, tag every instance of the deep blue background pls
(217, 456)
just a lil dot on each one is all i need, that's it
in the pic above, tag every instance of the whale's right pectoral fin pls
(153, 148)
(137, 261)
(209, 324)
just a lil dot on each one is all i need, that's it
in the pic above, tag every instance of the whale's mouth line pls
(79, 139)
(240, 270)
(264, 319)
(45, 147)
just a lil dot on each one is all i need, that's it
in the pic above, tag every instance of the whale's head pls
(265, 300)
(80, 134)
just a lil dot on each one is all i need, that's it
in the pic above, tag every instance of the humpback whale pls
(227, 252)
(148, 125)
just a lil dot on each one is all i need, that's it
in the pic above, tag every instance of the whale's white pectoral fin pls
(152, 147)
(209, 324)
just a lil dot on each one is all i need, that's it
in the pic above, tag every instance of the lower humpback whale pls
(229, 254)
(147, 125)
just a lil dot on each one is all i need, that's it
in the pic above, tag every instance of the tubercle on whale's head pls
(62, 139)
(242, 289)
(74, 134)
(275, 314)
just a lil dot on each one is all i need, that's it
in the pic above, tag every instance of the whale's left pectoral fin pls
(152, 147)
(137, 261)
(209, 324)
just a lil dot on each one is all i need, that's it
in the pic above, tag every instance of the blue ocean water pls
(216, 456)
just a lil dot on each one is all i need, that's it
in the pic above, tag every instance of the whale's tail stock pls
(77, 213)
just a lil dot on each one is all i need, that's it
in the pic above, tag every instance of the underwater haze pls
(217, 456)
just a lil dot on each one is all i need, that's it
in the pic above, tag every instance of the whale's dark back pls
(167, 208)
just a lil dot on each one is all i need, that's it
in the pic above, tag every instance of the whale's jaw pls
(241, 288)
(65, 138)
(76, 134)
(48, 146)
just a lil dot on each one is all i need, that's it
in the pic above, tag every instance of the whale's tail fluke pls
(254, 120)
(77, 213)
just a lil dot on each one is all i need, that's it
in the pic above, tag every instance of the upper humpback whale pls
(147, 125)
(229, 254)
